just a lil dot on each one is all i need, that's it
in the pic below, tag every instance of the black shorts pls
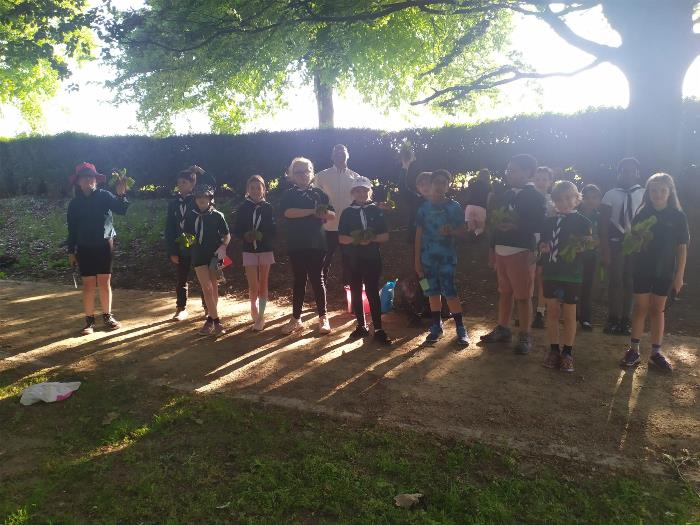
(567, 293)
(95, 260)
(650, 284)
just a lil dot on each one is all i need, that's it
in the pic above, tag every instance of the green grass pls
(120, 452)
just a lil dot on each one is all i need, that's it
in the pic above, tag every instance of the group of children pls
(544, 244)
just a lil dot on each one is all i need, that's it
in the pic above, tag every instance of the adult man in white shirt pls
(617, 209)
(336, 182)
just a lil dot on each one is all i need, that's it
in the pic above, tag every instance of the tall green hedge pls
(592, 142)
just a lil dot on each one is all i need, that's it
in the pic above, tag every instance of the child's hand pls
(175, 259)
(249, 236)
(545, 247)
(419, 270)
(72, 260)
(221, 252)
(120, 188)
(385, 206)
(678, 284)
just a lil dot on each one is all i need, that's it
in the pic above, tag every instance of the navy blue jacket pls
(175, 221)
(90, 218)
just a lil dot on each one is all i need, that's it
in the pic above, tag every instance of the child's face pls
(628, 176)
(542, 181)
(591, 200)
(360, 194)
(423, 188)
(659, 194)
(439, 187)
(516, 176)
(566, 203)
(202, 202)
(256, 191)
(184, 186)
(87, 183)
(301, 174)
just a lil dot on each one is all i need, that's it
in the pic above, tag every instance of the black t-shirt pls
(413, 202)
(264, 219)
(305, 233)
(351, 221)
(555, 267)
(209, 229)
(658, 258)
(529, 206)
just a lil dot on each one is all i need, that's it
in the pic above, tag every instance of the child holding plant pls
(177, 242)
(589, 208)
(516, 217)
(362, 229)
(438, 222)
(543, 180)
(211, 237)
(566, 237)
(658, 241)
(306, 208)
(91, 239)
(255, 226)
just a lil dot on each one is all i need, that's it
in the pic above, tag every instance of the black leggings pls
(307, 264)
(366, 272)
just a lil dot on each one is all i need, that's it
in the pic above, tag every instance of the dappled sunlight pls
(56, 295)
(638, 379)
(242, 371)
(685, 355)
(349, 346)
(611, 404)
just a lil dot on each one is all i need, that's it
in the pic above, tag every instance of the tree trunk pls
(658, 46)
(324, 102)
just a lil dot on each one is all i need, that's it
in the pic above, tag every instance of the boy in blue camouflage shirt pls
(438, 222)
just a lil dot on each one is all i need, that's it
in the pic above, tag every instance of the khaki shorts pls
(516, 274)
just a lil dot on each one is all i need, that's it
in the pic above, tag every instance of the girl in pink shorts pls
(255, 226)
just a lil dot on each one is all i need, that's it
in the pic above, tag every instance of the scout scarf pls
(361, 207)
(626, 211)
(199, 223)
(257, 217)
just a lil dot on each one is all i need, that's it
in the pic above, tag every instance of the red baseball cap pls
(85, 168)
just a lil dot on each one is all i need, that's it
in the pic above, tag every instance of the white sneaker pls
(294, 325)
(324, 326)
(181, 314)
(259, 324)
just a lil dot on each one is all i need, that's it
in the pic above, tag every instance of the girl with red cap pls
(91, 240)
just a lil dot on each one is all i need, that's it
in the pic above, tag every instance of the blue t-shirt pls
(437, 248)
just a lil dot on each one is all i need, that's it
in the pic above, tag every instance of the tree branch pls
(562, 29)
(498, 77)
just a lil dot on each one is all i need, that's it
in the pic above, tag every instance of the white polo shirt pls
(337, 185)
(617, 200)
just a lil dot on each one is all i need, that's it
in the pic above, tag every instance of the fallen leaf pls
(199, 421)
(406, 501)
(225, 505)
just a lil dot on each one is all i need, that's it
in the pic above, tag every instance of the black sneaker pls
(624, 327)
(381, 337)
(500, 334)
(611, 327)
(657, 361)
(524, 345)
(538, 321)
(110, 322)
(359, 332)
(89, 325)
(586, 326)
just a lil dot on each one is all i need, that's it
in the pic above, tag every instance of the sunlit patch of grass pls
(124, 452)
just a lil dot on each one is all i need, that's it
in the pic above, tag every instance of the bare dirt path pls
(600, 413)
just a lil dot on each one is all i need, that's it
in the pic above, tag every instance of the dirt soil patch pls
(600, 413)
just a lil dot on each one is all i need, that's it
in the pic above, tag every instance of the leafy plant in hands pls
(639, 237)
(120, 177)
(577, 244)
